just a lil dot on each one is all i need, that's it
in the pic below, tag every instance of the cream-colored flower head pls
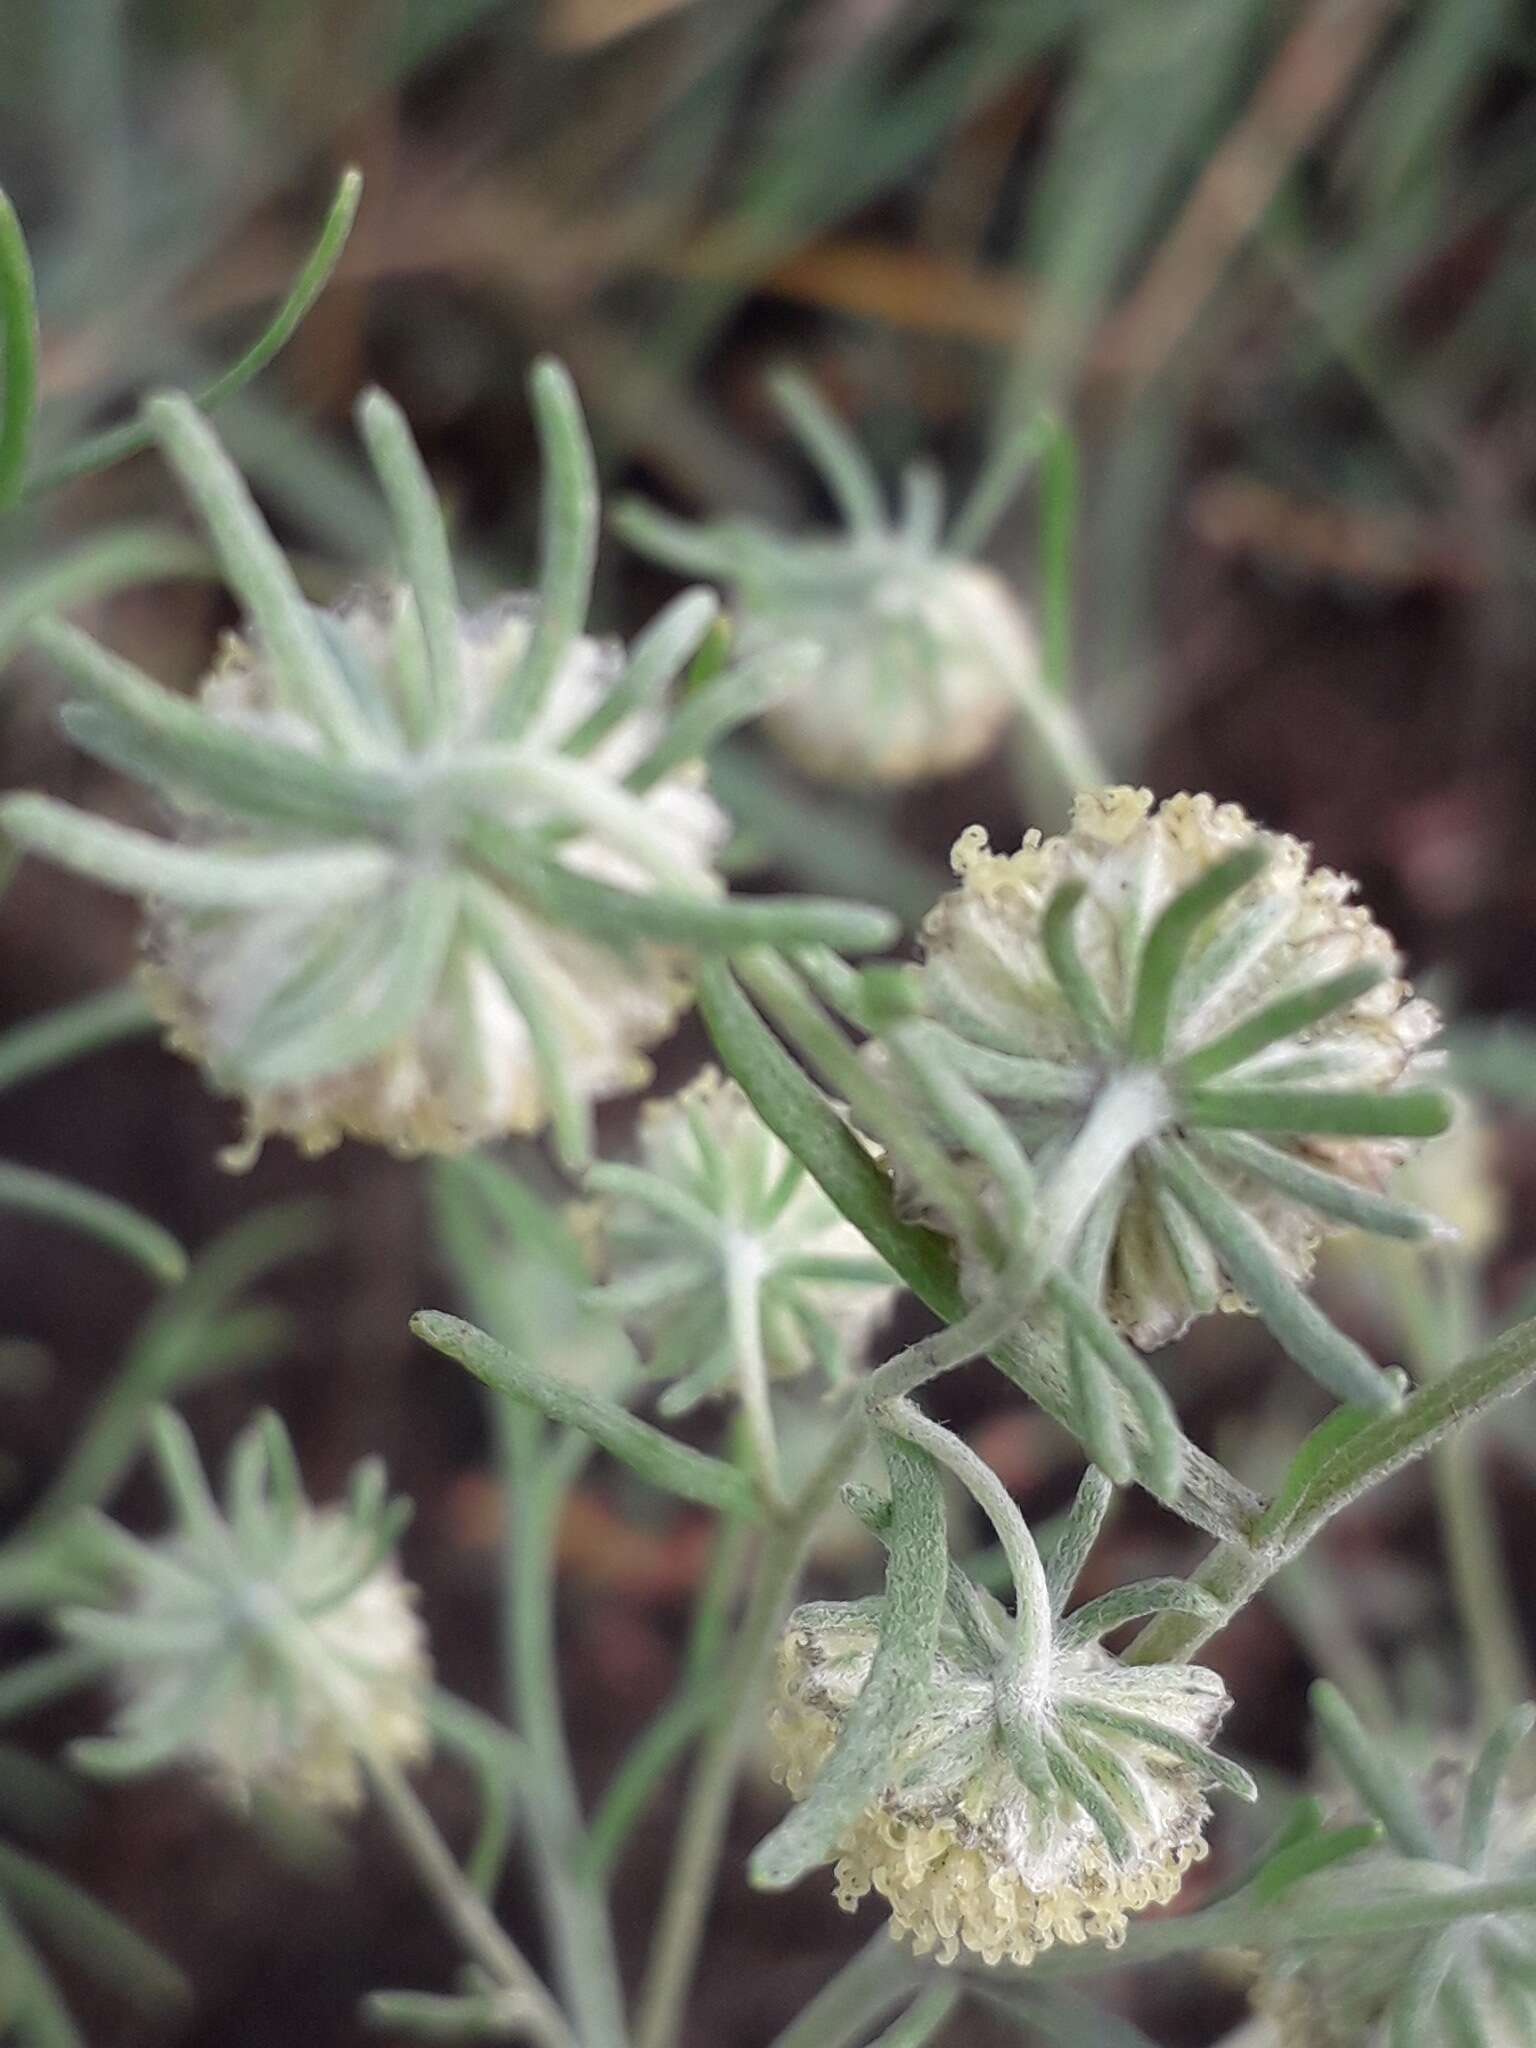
(265, 1646)
(965, 1854)
(917, 662)
(436, 876)
(720, 1239)
(913, 659)
(1469, 1981)
(1194, 982)
(468, 1066)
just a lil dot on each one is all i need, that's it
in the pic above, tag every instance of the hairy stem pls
(533, 1489)
(701, 1831)
(1235, 1570)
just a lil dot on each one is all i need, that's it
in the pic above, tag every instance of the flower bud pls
(915, 658)
(267, 1646)
(918, 662)
(720, 1239)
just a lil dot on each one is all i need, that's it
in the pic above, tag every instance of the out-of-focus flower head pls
(919, 657)
(264, 1642)
(436, 875)
(720, 1241)
(1453, 1827)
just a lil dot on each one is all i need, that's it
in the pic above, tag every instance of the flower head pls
(1204, 1025)
(508, 983)
(917, 659)
(966, 1851)
(270, 1645)
(436, 876)
(1321, 1986)
(721, 1240)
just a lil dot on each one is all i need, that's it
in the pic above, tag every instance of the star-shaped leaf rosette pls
(1001, 1780)
(1177, 1054)
(435, 876)
(726, 1256)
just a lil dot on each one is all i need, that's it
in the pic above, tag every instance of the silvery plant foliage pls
(444, 877)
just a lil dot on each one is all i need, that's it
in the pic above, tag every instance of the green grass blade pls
(103, 450)
(18, 353)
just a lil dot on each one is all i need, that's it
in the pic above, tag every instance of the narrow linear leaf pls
(110, 1222)
(89, 1935)
(922, 2018)
(421, 929)
(72, 1032)
(302, 660)
(1383, 1788)
(422, 539)
(497, 933)
(837, 456)
(1012, 455)
(1290, 1865)
(1487, 1777)
(440, 2016)
(1110, 1611)
(740, 694)
(1319, 1112)
(138, 864)
(1316, 1344)
(568, 544)
(710, 923)
(169, 743)
(18, 353)
(1079, 1531)
(41, 2017)
(657, 657)
(1287, 1017)
(672, 1466)
(1216, 1770)
(1169, 940)
(121, 558)
(1319, 1189)
(1072, 977)
(102, 450)
(900, 1678)
(1388, 1442)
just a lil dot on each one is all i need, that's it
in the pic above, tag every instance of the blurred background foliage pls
(1272, 259)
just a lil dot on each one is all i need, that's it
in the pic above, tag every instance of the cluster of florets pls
(241, 988)
(1239, 1012)
(969, 1855)
(269, 1645)
(917, 658)
(719, 1238)
(1475, 1980)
